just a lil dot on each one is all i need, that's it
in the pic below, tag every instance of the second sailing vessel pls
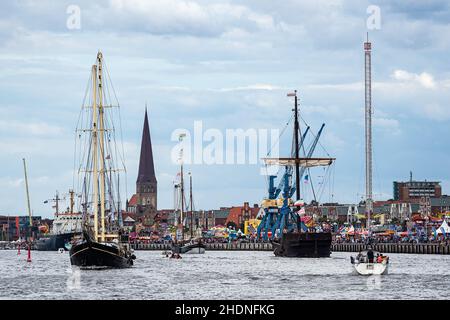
(282, 221)
(192, 245)
(100, 245)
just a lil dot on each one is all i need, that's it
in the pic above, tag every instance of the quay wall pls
(419, 248)
(210, 246)
(415, 248)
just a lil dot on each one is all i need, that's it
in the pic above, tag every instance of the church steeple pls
(146, 184)
(146, 167)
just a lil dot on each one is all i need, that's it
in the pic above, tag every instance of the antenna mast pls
(182, 188)
(368, 126)
(191, 205)
(28, 193)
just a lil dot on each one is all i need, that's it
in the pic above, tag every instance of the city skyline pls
(230, 65)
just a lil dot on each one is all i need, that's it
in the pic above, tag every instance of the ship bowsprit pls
(304, 244)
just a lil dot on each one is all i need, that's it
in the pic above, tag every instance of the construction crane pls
(309, 155)
(274, 218)
(288, 170)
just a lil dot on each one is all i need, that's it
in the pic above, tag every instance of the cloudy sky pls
(228, 64)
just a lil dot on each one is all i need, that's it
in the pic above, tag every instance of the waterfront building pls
(440, 204)
(413, 189)
(238, 215)
(14, 227)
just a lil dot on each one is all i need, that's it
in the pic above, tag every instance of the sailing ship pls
(282, 217)
(65, 226)
(192, 245)
(100, 244)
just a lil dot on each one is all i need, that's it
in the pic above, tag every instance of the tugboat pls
(193, 246)
(100, 245)
(65, 227)
(282, 219)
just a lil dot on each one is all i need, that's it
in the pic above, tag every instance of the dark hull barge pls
(303, 245)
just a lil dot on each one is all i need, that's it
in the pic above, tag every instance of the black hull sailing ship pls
(303, 245)
(93, 254)
(282, 216)
(100, 245)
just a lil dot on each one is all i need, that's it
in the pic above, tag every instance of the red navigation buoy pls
(29, 254)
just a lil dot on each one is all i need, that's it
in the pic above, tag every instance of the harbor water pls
(222, 275)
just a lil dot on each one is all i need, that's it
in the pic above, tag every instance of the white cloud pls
(437, 112)
(36, 128)
(184, 17)
(6, 182)
(391, 125)
(253, 87)
(354, 86)
(333, 141)
(424, 79)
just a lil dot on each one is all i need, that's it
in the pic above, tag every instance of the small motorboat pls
(191, 248)
(370, 262)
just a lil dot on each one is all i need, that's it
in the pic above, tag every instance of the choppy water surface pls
(222, 275)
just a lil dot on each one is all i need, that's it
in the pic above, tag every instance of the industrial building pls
(413, 189)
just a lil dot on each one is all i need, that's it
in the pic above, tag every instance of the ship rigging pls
(282, 217)
(100, 245)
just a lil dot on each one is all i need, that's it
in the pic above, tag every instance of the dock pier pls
(414, 248)
(419, 248)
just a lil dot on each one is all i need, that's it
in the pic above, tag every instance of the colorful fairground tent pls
(351, 231)
(444, 229)
(223, 232)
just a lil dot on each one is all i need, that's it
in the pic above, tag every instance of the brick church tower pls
(146, 184)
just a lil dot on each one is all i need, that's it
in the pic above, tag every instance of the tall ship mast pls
(100, 245)
(282, 216)
(180, 245)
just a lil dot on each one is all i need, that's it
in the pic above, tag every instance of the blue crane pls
(288, 170)
(275, 218)
(309, 155)
(271, 217)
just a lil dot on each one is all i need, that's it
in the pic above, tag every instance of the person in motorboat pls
(370, 255)
(379, 258)
(360, 258)
(383, 258)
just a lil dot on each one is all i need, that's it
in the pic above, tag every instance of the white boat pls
(366, 264)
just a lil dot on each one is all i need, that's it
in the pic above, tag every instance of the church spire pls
(146, 172)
